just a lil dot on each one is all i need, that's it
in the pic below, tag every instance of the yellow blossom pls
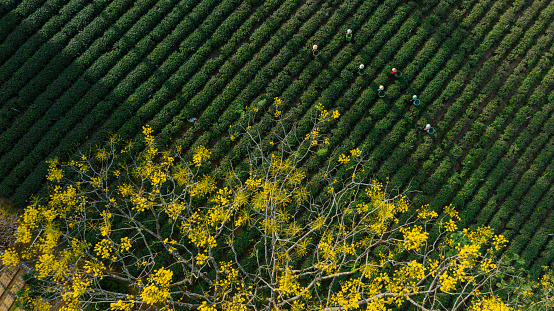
(101, 154)
(126, 190)
(120, 305)
(288, 283)
(54, 173)
(425, 213)
(499, 241)
(414, 238)
(205, 307)
(204, 187)
(104, 249)
(201, 259)
(451, 225)
(125, 244)
(433, 265)
(10, 258)
(105, 227)
(94, 268)
(492, 303)
(356, 152)
(451, 212)
(96, 181)
(349, 295)
(236, 303)
(448, 283)
(200, 155)
(487, 265)
(157, 289)
(344, 159)
(322, 115)
(313, 134)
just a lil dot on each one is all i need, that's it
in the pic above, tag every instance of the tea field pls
(75, 72)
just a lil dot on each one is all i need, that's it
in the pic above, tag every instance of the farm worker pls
(393, 73)
(427, 128)
(381, 88)
(414, 98)
(361, 69)
(314, 50)
(348, 34)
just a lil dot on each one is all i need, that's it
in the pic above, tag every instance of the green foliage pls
(74, 72)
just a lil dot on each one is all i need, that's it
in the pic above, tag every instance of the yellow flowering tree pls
(173, 236)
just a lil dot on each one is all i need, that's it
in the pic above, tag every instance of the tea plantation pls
(75, 72)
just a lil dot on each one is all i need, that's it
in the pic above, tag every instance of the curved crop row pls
(296, 86)
(438, 67)
(12, 16)
(43, 90)
(237, 72)
(438, 153)
(99, 101)
(38, 26)
(72, 104)
(96, 101)
(23, 66)
(185, 65)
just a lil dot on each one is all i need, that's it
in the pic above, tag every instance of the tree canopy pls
(126, 230)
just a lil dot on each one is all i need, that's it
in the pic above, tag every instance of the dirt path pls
(11, 281)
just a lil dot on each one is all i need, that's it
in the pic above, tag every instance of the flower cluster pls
(120, 305)
(104, 249)
(125, 244)
(288, 283)
(158, 288)
(414, 238)
(55, 174)
(349, 295)
(344, 159)
(425, 213)
(201, 154)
